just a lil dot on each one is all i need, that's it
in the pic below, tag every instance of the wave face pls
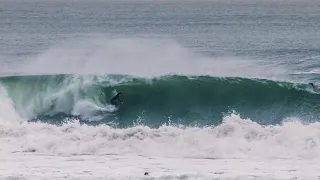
(186, 100)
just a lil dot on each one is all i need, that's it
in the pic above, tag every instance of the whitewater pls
(211, 90)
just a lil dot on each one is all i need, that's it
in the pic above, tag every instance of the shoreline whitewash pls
(49, 166)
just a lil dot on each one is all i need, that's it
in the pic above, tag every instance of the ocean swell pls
(196, 100)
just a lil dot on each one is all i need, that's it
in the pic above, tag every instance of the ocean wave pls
(186, 100)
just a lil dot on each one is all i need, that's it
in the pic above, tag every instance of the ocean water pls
(211, 89)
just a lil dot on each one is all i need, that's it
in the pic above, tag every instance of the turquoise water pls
(187, 100)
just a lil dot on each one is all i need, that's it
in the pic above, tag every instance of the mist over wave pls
(141, 57)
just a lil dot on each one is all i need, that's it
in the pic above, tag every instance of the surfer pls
(312, 85)
(116, 98)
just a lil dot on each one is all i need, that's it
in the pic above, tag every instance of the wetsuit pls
(116, 98)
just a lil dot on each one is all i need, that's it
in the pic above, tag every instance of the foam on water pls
(40, 166)
(234, 138)
(236, 149)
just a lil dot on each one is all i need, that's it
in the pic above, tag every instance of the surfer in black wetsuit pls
(116, 99)
(312, 85)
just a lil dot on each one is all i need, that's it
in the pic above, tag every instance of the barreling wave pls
(198, 100)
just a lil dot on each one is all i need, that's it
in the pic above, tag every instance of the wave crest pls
(201, 100)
